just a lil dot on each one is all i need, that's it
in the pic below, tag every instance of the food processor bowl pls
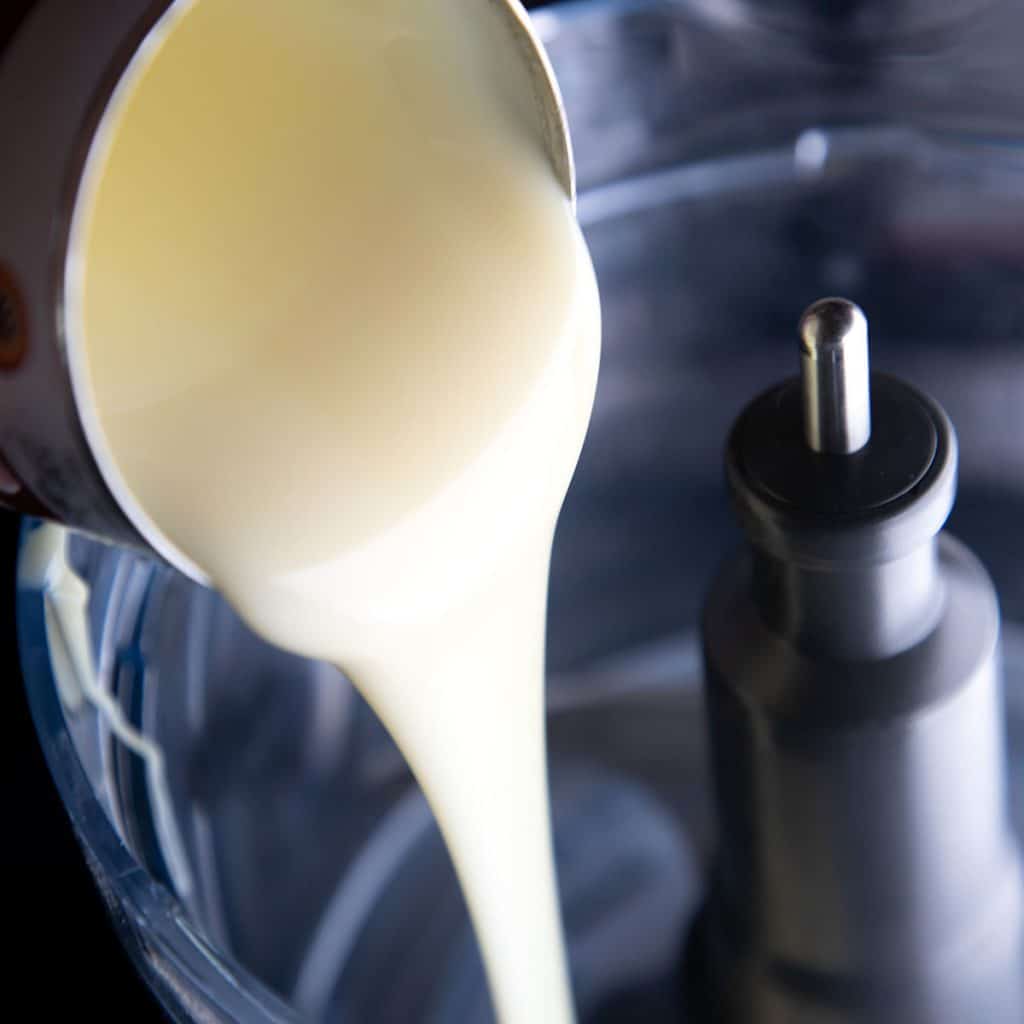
(261, 843)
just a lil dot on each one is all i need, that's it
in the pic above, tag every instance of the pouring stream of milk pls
(341, 332)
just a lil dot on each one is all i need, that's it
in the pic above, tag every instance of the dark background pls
(63, 956)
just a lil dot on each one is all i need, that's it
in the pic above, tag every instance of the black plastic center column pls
(867, 870)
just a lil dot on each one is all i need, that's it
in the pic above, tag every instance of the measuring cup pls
(65, 65)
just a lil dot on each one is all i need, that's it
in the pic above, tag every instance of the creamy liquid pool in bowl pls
(338, 334)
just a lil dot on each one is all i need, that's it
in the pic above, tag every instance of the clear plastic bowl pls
(262, 846)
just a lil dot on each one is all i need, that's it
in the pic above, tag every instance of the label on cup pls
(13, 321)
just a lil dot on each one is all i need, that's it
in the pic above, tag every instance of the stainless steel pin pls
(836, 381)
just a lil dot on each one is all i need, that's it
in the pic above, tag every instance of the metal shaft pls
(834, 370)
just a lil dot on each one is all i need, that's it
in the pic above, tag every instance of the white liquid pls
(342, 335)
